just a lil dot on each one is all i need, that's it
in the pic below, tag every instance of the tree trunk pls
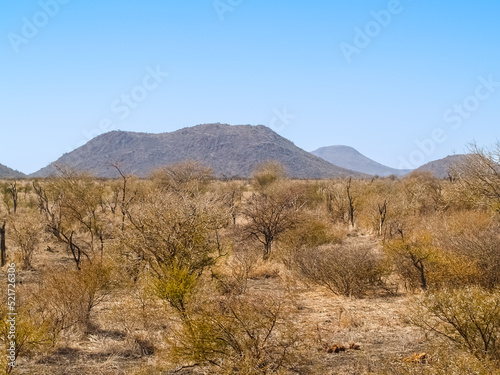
(267, 250)
(350, 199)
(423, 281)
(382, 210)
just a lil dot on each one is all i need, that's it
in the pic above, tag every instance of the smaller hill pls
(441, 167)
(6, 172)
(349, 158)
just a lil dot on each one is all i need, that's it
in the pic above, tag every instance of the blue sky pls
(422, 82)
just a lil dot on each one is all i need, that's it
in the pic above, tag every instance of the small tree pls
(32, 332)
(270, 214)
(10, 196)
(422, 263)
(350, 200)
(382, 211)
(71, 206)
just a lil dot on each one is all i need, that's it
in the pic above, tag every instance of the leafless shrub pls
(248, 334)
(27, 233)
(347, 270)
(469, 317)
(188, 176)
(482, 249)
(479, 173)
(69, 297)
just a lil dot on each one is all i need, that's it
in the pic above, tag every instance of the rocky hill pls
(441, 167)
(349, 158)
(6, 172)
(232, 151)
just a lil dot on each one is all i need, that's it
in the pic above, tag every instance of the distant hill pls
(440, 168)
(349, 158)
(232, 151)
(6, 172)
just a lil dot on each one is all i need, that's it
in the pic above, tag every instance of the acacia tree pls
(70, 204)
(271, 213)
(10, 196)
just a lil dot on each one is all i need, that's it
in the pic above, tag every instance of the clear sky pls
(404, 82)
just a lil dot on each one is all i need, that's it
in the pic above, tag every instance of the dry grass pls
(373, 325)
(132, 330)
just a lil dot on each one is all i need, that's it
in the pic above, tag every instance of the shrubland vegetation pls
(184, 273)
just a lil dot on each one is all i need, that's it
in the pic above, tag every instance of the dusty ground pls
(323, 319)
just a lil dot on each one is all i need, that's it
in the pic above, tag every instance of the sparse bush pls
(347, 270)
(234, 272)
(481, 249)
(177, 237)
(187, 285)
(423, 193)
(189, 176)
(468, 317)
(422, 264)
(309, 232)
(267, 173)
(248, 334)
(479, 175)
(72, 207)
(70, 296)
(29, 329)
(27, 233)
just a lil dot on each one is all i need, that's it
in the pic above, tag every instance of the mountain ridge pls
(350, 158)
(231, 150)
(6, 172)
(441, 167)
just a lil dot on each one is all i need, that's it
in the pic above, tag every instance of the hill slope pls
(230, 150)
(440, 168)
(6, 172)
(349, 158)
